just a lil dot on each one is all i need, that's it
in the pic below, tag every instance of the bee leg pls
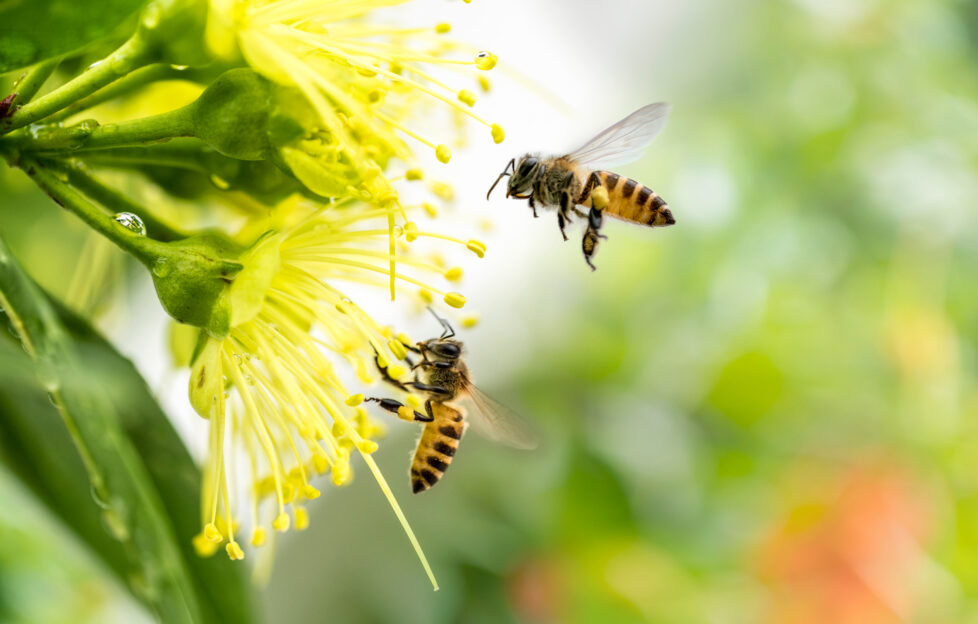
(592, 181)
(591, 236)
(386, 375)
(562, 223)
(394, 407)
(417, 385)
(533, 207)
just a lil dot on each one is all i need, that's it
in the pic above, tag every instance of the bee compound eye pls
(527, 165)
(448, 350)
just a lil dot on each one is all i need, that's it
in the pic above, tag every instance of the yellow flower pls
(270, 389)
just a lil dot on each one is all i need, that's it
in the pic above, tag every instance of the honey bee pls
(443, 377)
(568, 181)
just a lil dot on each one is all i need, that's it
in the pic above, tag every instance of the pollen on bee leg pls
(599, 198)
(406, 412)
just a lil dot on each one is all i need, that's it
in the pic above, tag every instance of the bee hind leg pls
(562, 222)
(396, 407)
(591, 236)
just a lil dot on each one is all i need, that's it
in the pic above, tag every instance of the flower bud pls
(232, 115)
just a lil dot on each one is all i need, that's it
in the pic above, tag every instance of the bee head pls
(441, 349)
(524, 174)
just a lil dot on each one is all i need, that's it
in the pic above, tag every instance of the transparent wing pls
(623, 142)
(497, 422)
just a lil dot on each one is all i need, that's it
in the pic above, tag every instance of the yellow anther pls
(599, 198)
(203, 546)
(337, 429)
(341, 308)
(453, 274)
(466, 97)
(320, 464)
(301, 519)
(397, 349)
(477, 247)
(366, 446)
(354, 399)
(454, 299)
(498, 134)
(258, 537)
(404, 339)
(234, 551)
(341, 473)
(281, 523)
(212, 533)
(288, 492)
(382, 361)
(443, 153)
(414, 174)
(295, 477)
(414, 401)
(443, 28)
(375, 96)
(443, 190)
(405, 412)
(470, 321)
(485, 60)
(430, 208)
(397, 371)
(425, 295)
(363, 71)
(411, 231)
(484, 84)
(310, 492)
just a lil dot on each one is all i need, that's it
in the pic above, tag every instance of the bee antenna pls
(510, 165)
(449, 330)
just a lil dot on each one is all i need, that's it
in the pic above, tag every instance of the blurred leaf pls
(36, 30)
(127, 459)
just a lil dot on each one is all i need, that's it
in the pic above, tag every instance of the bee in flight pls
(566, 182)
(443, 377)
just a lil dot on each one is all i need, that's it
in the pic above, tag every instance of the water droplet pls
(98, 497)
(96, 64)
(180, 67)
(346, 300)
(131, 222)
(162, 268)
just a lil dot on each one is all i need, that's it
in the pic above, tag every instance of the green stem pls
(32, 81)
(79, 177)
(132, 55)
(87, 135)
(146, 250)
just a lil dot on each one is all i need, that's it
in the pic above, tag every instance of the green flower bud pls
(232, 115)
(193, 278)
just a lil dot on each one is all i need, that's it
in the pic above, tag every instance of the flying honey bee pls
(443, 376)
(568, 181)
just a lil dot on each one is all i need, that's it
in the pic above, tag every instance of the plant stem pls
(128, 57)
(88, 135)
(32, 81)
(146, 250)
(79, 177)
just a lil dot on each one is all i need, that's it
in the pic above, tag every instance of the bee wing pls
(624, 141)
(498, 423)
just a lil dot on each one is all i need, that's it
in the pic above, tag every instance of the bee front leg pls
(562, 223)
(399, 409)
(386, 375)
(533, 207)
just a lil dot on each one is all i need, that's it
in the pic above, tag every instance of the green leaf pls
(117, 475)
(35, 30)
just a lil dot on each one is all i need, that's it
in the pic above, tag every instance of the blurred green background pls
(767, 413)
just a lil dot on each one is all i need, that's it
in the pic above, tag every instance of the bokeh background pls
(766, 413)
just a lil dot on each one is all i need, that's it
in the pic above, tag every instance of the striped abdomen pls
(631, 201)
(437, 447)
